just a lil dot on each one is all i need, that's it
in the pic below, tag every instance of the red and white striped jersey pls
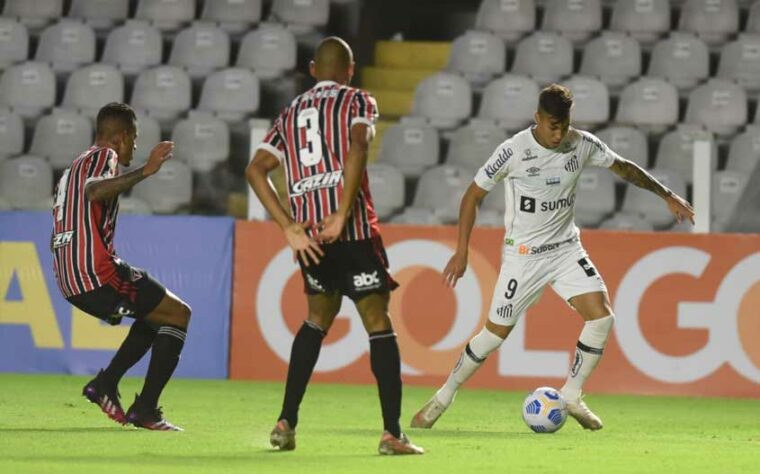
(83, 230)
(311, 139)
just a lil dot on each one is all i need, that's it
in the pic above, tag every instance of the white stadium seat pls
(613, 57)
(591, 101)
(162, 92)
(133, 47)
(546, 57)
(727, 189)
(648, 205)
(744, 153)
(166, 15)
(683, 59)
(11, 134)
(711, 20)
(508, 19)
(649, 103)
(28, 88)
(440, 189)
(91, 87)
(628, 142)
(61, 136)
(511, 101)
(233, 16)
(478, 56)
(200, 49)
(201, 140)
(411, 146)
(676, 150)
(720, 105)
(26, 182)
(102, 15)
(595, 197)
(301, 15)
(232, 94)
(644, 20)
(14, 42)
(149, 135)
(753, 19)
(415, 216)
(168, 191)
(270, 50)
(133, 205)
(444, 99)
(740, 62)
(387, 185)
(623, 221)
(470, 146)
(35, 14)
(66, 45)
(576, 20)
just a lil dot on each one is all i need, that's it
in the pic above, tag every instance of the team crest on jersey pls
(533, 171)
(572, 164)
(529, 155)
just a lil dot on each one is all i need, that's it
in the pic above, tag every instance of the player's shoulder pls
(586, 138)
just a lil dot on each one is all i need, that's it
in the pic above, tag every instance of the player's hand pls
(331, 228)
(455, 269)
(158, 156)
(680, 208)
(303, 245)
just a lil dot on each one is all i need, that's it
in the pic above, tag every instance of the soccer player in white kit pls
(540, 168)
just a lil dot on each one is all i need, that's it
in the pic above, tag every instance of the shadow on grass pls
(78, 429)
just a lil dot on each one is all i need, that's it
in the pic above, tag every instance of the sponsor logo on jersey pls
(554, 180)
(561, 203)
(587, 267)
(525, 250)
(504, 312)
(318, 181)
(529, 155)
(527, 204)
(509, 241)
(594, 142)
(504, 156)
(314, 283)
(366, 281)
(134, 275)
(533, 171)
(62, 239)
(572, 164)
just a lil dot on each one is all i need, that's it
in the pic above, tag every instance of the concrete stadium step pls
(412, 54)
(374, 77)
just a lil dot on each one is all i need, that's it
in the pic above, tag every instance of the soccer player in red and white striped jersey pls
(322, 140)
(92, 278)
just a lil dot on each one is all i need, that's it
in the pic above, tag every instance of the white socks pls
(476, 351)
(589, 350)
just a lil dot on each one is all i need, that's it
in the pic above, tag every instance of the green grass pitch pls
(46, 426)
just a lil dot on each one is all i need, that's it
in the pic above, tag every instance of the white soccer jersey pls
(540, 187)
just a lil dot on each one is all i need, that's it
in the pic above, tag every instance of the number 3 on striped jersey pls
(60, 195)
(310, 152)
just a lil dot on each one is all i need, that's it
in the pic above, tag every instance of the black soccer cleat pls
(149, 418)
(107, 398)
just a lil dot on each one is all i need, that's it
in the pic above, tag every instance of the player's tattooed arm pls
(634, 174)
(109, 188)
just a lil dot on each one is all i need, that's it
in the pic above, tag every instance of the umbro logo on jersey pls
(504, 156)
(572, 164)
(533, 171)
(366, 281)
(318, 181)
(529, 155)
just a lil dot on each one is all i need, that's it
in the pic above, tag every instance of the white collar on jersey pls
(325, 83)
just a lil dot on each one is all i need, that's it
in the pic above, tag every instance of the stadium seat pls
(270, 51)
(60, 137)
(133, 47)
(168, 191)
(478, 56)
(149, 135)
(440, 189)
(495, 201)
(727, 189)
(14, 42)
(11, 134)
(740, 62)
(35, 14)
(744, 152)
(711, 20)
(753, 19)
(682, 59)
(91, 87)
(591, 101)
(133, 205)
(444, 99)
(720, 105)
(546, 57)
(676, 150)
(415, 216)
(166, 15)
(411, 146)
(648, 205)
(644, 20)
(613, 57)
(201, 140)
(387, 186)
(595, 198)
(101, 15)
(66, 45)
(200, 49)
(626, 222)
(28, 88)
(511, 101)
(507, 19)
(232, 94)
(649, 103)
(628, 142)
(470, 146)
(26, 182)
(301, 16)
(576, 20)
(5, 205)
(162, 92)
(488, 218)
(233, 16)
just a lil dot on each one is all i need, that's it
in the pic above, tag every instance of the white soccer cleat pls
(428, 414)
(586, 418)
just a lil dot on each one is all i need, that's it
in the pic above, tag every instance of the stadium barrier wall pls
(687, 308)
(41, 332)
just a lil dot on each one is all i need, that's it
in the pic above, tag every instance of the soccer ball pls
(544, 410)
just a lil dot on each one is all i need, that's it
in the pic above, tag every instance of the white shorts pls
(522, 279)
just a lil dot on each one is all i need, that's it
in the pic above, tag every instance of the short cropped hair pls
(556, 101)
(115, 117)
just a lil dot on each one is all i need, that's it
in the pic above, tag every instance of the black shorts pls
(131, 293)
(354, 268)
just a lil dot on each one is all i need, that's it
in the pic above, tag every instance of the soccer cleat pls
(149, 418)
(391, 445)
(579, 410)
(428, 414)
(106, 398)
(283, 437)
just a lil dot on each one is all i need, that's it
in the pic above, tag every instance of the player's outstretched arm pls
(634, 174)
(468, 210)
(304, 246)
(108, 188)
(332, 226)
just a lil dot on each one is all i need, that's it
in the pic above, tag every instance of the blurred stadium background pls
(453, 78)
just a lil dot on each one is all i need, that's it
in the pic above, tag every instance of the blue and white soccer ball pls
(544, 410)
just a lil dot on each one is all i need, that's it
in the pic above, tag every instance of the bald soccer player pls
(321, 140)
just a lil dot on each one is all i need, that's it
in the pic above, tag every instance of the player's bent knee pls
(498, 329)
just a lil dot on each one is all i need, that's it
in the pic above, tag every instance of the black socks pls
(134, 347)
(166, 349)
(386, 365)
(303, 357)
